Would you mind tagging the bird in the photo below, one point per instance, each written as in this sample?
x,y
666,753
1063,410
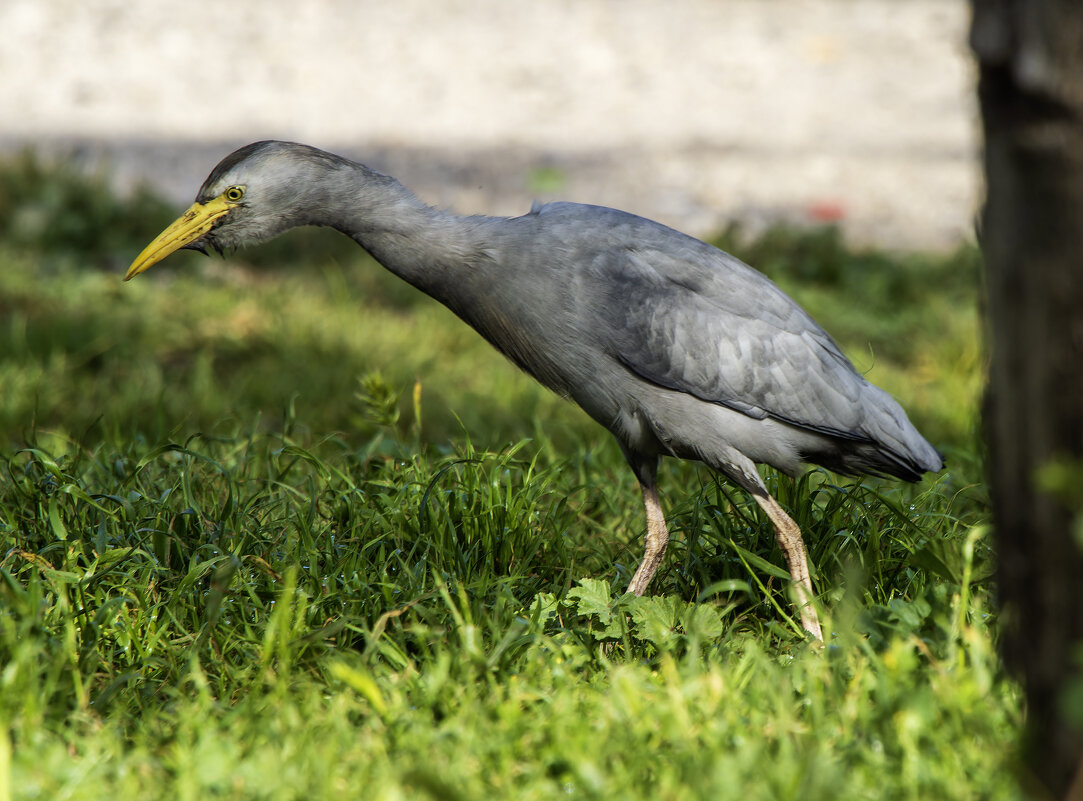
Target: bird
x,y
676,347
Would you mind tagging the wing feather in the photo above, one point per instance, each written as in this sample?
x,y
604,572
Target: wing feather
x,y
697,320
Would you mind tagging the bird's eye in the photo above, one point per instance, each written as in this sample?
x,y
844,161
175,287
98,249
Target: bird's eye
x,y
234,193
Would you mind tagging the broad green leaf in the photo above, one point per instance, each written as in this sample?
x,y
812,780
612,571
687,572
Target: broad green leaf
x,y
656,619
702,620
593,598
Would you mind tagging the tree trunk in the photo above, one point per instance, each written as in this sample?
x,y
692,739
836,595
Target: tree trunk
x,y
1030,55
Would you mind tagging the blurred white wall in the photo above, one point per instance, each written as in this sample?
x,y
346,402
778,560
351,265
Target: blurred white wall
x,y
694,112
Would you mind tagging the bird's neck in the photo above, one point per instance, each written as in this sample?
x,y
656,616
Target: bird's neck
x,y
428,247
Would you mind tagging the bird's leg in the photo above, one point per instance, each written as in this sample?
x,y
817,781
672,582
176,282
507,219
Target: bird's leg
x,y
788,535
657,538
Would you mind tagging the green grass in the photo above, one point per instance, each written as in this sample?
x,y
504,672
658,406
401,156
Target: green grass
x,y
280,527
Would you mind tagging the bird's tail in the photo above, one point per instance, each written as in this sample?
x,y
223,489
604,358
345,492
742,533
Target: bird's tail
x,y
888,444
895,447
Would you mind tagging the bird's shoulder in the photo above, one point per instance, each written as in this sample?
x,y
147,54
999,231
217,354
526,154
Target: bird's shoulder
x,y
614,249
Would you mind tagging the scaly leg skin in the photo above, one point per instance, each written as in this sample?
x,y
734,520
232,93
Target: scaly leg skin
x,y
787,533
655,545
789,539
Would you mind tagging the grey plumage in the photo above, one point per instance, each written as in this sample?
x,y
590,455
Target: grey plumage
x,y
673,345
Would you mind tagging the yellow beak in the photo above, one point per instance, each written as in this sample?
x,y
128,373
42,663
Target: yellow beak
x,y
195,222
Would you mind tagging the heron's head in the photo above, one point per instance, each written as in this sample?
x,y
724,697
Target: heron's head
x,y
254,194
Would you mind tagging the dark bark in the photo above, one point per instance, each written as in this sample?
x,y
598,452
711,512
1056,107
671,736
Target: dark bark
x,y
1030,55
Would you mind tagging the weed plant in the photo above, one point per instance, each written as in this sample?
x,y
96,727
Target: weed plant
x,y
277,531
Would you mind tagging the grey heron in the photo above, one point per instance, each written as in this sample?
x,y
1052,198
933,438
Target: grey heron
x,y
676,347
